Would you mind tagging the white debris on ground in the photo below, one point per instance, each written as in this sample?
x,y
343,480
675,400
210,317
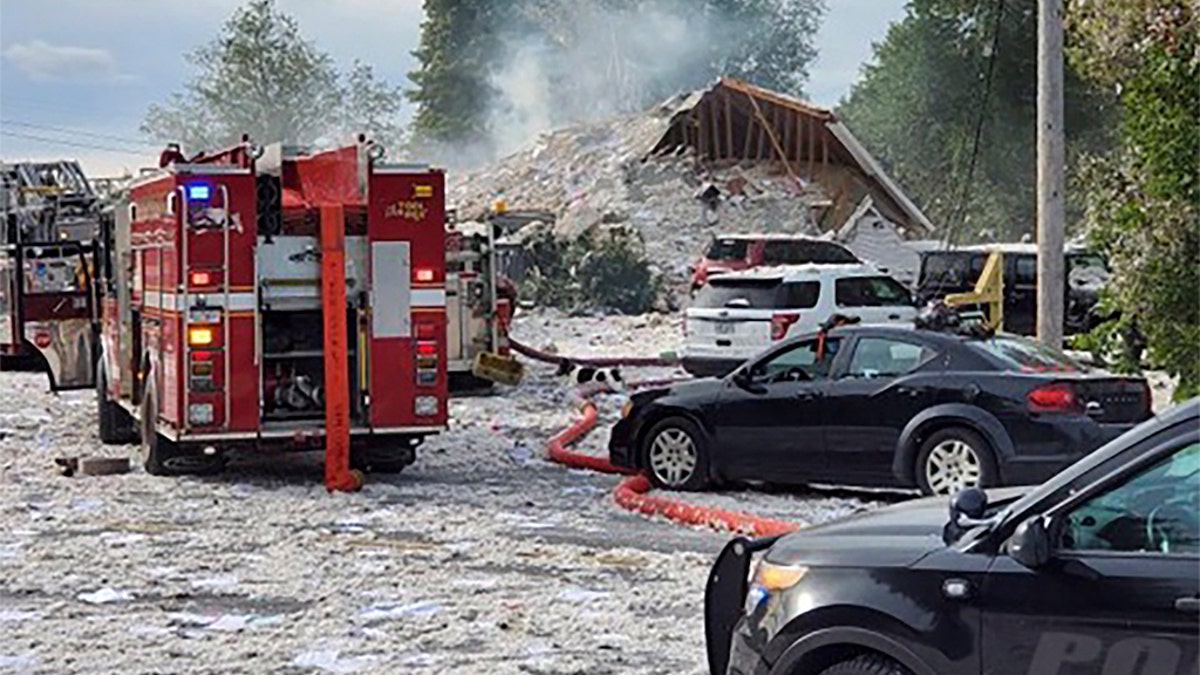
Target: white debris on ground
x,y
483,557
597,175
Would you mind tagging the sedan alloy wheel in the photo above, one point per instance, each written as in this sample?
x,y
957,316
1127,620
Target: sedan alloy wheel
x,y
951,466
673,456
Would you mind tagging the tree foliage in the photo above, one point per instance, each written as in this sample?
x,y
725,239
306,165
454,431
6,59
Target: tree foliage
x,y
602,270
460,40
261,77
952,69
1143,199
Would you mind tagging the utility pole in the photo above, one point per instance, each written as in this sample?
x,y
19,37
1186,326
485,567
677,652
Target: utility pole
x,y
1051,156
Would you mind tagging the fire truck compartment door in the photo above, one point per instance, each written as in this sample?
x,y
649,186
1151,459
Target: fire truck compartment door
x,y
391,296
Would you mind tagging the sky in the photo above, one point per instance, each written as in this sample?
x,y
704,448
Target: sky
x,y
84,71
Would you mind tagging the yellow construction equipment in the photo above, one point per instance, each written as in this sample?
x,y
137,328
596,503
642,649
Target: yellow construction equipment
x,y
989,290
498,368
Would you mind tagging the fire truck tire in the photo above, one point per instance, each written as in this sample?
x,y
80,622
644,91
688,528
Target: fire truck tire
x,y
383,457
116,424
161,456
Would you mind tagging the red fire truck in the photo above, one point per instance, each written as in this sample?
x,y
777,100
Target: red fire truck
x,y
276,298
49,217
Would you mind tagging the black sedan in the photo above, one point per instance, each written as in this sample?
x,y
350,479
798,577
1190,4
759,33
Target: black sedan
x,y
881,406
1095,571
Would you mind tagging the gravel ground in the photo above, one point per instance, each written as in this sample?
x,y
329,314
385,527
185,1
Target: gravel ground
x,y
482,557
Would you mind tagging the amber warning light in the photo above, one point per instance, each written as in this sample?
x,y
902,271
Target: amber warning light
x,y
200,336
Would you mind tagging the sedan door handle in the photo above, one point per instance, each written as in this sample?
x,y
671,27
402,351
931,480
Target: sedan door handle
x,y
893,317
907,391
1191,605
809,395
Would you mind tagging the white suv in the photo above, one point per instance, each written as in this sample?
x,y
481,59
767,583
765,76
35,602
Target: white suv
x,y
738,315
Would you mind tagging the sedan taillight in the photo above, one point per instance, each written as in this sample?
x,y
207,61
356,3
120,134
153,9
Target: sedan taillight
x,y
780,323
1054,397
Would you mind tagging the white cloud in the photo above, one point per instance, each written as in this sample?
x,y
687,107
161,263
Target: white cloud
x,y
43,61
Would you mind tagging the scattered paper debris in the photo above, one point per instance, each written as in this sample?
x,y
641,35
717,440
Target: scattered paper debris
x,y
330,660
385,611
104,596
582,595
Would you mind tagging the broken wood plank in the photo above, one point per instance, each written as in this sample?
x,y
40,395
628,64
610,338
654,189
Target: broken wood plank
x,y
728,126
774,141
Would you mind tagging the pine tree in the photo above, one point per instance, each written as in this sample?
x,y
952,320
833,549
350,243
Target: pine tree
x,y
459,42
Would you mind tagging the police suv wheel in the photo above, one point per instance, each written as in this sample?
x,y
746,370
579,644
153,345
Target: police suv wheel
x,y
867,664
952,459
675,455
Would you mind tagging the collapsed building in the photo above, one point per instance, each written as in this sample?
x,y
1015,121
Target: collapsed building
x,y
731,158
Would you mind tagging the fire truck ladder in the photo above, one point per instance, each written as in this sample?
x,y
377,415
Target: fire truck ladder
x,y
224,313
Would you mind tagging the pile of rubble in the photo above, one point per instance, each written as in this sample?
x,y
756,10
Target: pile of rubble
x,y
600,176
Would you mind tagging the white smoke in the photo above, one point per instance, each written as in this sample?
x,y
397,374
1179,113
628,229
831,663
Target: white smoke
x,y
585,62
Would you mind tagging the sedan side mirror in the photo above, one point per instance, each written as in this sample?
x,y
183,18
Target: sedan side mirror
x,y
744,380
1030,543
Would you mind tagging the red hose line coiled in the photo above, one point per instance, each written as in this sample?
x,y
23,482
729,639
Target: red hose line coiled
x,y
632,492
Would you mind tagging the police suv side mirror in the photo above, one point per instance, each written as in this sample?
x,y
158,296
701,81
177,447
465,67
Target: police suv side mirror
x,y
967,508
1030,543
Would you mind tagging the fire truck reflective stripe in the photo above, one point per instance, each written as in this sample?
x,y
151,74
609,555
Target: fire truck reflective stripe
x,y
428,297
174,302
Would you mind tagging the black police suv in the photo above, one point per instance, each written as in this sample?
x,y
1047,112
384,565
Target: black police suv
x,y
881,406
1096,571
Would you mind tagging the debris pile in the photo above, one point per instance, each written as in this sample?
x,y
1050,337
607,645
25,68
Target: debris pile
x,y
598,176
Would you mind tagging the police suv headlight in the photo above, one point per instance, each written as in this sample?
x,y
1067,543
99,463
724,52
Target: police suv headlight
x,y
200,414
769,579
425,406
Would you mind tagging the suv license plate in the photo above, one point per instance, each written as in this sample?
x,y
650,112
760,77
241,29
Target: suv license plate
x,y
725,329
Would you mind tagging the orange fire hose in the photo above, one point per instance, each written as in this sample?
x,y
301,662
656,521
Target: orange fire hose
x,y
632,493
338,475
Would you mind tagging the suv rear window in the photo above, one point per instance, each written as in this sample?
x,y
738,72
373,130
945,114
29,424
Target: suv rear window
x,y
803,251
1017,353
727,249
801,294
757,293
871,292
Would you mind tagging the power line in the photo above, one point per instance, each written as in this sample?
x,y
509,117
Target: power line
x,y
56,141
78,132
965,200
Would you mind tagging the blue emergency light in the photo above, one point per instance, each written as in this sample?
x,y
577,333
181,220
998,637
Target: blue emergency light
x,y
198,193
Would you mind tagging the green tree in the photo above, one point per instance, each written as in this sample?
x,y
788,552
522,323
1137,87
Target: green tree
x,y
261,77
460,40
949,105
775,41
1143,199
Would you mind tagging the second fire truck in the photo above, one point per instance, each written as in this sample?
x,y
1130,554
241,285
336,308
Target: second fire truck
x,y
276,298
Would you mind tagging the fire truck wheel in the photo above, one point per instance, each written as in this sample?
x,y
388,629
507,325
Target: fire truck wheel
x,y
116,424
163,457
383,457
